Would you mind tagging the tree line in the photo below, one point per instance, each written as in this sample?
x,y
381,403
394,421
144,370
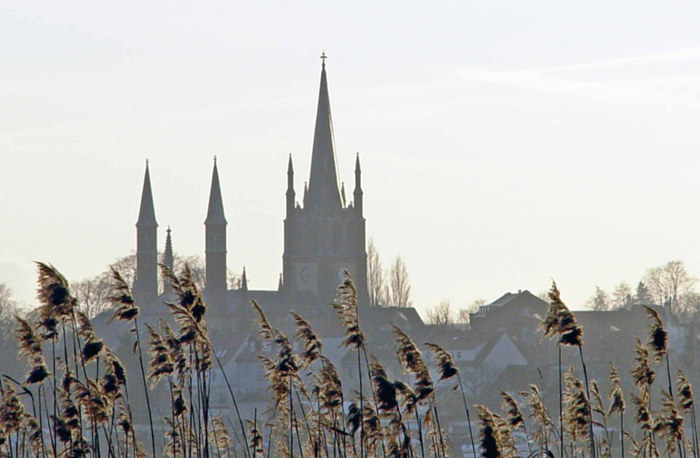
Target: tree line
x,y
669,285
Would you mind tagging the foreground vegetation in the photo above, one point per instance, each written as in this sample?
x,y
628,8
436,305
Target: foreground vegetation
x,y
74,400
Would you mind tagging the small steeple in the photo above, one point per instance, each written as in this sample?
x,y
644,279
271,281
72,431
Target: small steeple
x,y
290,186
244,280
306,192
357,194
215,214
147,213
290,170
168,258
324,195
280,284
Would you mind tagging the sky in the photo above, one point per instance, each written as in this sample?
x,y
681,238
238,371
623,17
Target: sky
x,y
503,143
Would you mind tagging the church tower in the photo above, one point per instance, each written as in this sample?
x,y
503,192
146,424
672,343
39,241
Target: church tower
x,y
215,247
146,281
326,236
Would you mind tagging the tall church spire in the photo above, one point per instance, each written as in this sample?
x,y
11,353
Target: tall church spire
x,y
146,281
324,195
215,247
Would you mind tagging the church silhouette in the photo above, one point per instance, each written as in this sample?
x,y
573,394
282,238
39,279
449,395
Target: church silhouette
x,y
324,235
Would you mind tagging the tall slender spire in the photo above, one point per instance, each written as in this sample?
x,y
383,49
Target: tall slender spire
x,y
291,195
215,247
357,193
146,281
215,214
147,213
324,195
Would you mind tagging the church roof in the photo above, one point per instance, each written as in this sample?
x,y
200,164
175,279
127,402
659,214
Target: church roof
x,y
323,193
215,214
147,214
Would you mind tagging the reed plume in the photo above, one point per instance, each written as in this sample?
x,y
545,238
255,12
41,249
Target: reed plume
x,y
329,385
221,438
658,336
642,414
161,364
560,321
617,403
444,363
447,369
256,440
488,434
53,293
642,373
577,411
384,389
686,403
29,348
122,298
411,360
670,425
345,305
307,336
539,414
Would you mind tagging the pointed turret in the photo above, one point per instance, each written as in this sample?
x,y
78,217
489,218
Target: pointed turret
x,y
291,195
324,195
280,284
244,280
357,193
168,259
146,281
215,247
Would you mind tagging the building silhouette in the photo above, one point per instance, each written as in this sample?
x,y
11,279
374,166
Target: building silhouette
x,y
324,235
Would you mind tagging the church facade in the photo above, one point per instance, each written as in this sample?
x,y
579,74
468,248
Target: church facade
x,y
324,235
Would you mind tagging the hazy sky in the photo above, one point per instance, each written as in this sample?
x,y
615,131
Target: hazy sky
x,y
503,143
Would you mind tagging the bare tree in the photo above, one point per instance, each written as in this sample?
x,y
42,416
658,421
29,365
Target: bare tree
x,y
126,266
600,301
622,296
440,315
463,315
7,304
670,285
93,294
642,296
375,277
400,287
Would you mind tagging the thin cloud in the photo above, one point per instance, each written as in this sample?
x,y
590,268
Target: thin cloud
x,y
662,77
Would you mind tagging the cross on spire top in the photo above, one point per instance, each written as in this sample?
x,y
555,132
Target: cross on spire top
x,y
323,58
